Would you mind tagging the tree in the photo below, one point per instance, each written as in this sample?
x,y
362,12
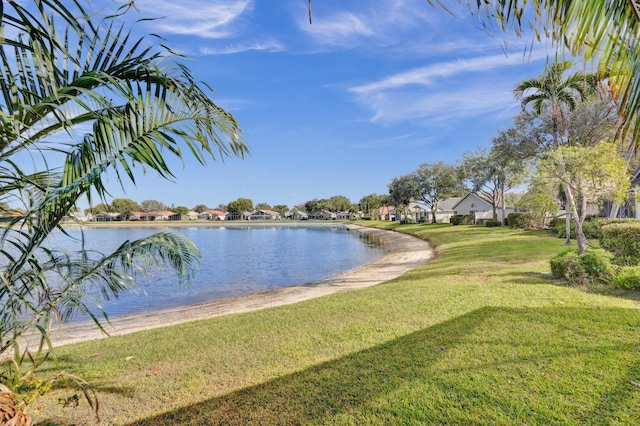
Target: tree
x,y
199,208
281,208
240,205
263,206
152,206
339,203
591,174
558,91
370,204
402,191
65,68
490,174
539,203
182,210
100,208
316,205
606,31
437,181
124,205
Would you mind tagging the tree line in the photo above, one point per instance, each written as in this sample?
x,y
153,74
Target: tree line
x,y
566,146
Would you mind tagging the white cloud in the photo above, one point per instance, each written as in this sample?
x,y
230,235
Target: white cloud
x,y
340,29
210,19
367,24
265,46
445,91
429,75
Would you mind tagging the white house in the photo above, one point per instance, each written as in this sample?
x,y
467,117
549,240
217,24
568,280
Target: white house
x,y
264,215
238,216
322,215
297,216
212,215
344,215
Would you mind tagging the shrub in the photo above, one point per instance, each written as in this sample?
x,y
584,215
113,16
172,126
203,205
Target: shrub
x,y
567,265
520,220
491,222
597,264
462,219
590,267
591,229
628,277
623,240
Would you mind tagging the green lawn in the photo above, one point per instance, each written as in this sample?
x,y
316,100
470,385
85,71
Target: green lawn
x,y
480,335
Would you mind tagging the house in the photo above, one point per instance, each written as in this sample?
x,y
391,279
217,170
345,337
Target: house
x,y
322,215
344,215
190,215
471,204
77,216
296,216
238,216
212,215
445,210
386,213
159,215
106,217
132,216
265,215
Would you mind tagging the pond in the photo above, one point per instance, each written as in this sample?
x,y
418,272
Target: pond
x,y
236,260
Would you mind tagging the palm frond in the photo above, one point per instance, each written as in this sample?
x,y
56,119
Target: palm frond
x,y
605,31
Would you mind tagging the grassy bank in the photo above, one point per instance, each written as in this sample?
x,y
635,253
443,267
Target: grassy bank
x,y
480,335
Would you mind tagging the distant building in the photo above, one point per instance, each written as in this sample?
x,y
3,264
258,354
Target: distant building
x,y
238,216
322,215
265,215
212,215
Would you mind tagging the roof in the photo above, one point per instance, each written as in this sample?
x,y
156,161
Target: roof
x,y
449,203
215,212
269,212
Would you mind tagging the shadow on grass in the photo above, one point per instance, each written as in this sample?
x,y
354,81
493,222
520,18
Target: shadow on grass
x,y
491,366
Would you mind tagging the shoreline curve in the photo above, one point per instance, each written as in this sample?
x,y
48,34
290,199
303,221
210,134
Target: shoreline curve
x,y
403,253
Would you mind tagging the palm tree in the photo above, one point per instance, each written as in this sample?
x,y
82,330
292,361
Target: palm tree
x,y
559,91
605,31
79,89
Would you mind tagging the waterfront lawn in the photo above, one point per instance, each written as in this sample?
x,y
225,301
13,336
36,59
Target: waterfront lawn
x,y
480,335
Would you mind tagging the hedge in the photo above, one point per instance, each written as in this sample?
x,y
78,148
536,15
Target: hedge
x,y
623,240
462,219
520,220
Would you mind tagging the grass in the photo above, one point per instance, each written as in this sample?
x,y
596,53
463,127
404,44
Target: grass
x,y
479,335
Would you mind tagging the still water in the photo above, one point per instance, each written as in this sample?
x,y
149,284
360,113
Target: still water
x,y
235,261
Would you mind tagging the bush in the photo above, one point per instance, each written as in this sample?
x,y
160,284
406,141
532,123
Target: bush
x,y
594,266
566,265
591,229
491,222
628,277
597,264
462,219
520,220
601,222
623,240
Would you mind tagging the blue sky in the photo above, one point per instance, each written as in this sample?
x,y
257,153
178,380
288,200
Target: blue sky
x,y
366,93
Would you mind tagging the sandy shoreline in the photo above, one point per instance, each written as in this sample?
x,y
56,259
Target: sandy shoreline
x,y
403,253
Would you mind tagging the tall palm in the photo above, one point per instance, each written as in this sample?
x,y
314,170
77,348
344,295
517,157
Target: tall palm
x,y
605,31
78,89
558,90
